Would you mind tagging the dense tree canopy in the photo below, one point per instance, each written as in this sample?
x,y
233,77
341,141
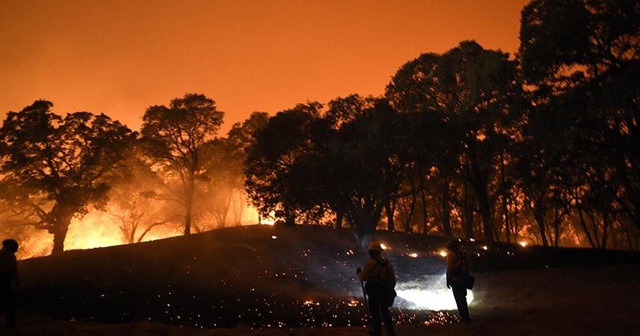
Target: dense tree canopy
x,y
277,174
474,91
54,168
582,59
367,163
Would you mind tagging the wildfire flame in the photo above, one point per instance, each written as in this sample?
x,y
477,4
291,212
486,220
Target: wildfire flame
x,y
102,229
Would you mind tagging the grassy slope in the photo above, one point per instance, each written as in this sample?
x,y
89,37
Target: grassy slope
x,y
245,275
216,276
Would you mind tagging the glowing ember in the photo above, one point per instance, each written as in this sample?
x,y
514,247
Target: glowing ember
x,y
440,318
385,247
443,253
353,303
523,243
485,247
417,303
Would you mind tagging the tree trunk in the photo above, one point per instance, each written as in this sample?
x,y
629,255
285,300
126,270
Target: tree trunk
x,y
189,205
538,214
390,208
468,214
507,218
407,224
365,220
515,223
339,219
479,184
423,198
363,229
60,233
606,224
485,213
585,229
187,218
446,212
289,216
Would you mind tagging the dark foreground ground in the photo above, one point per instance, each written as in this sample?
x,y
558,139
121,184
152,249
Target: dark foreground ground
x,y
282,281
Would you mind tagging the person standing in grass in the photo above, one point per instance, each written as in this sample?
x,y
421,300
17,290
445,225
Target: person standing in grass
x,y
9,279
458,264
381,281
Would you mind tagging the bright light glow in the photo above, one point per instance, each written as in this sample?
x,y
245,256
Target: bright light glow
x,y
523,243
353,303
274,237
38,243
267,221
385,247
413,255
443,253
430,293
250,216
95,229
485,247
472,239
350,252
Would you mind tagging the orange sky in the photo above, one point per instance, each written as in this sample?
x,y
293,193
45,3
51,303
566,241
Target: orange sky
x,y
119,57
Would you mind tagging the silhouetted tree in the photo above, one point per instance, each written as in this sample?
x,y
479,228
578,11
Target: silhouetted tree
x,y
174,136
435,144
582,57
545,164
474,91
341,111
239,138
278,173
366,162
435,168
243,135
55,167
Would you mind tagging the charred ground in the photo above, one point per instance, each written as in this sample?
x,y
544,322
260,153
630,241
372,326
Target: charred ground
x,y
260,276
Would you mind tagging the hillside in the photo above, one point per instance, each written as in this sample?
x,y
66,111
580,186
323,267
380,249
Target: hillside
x,y
273,278
245,275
